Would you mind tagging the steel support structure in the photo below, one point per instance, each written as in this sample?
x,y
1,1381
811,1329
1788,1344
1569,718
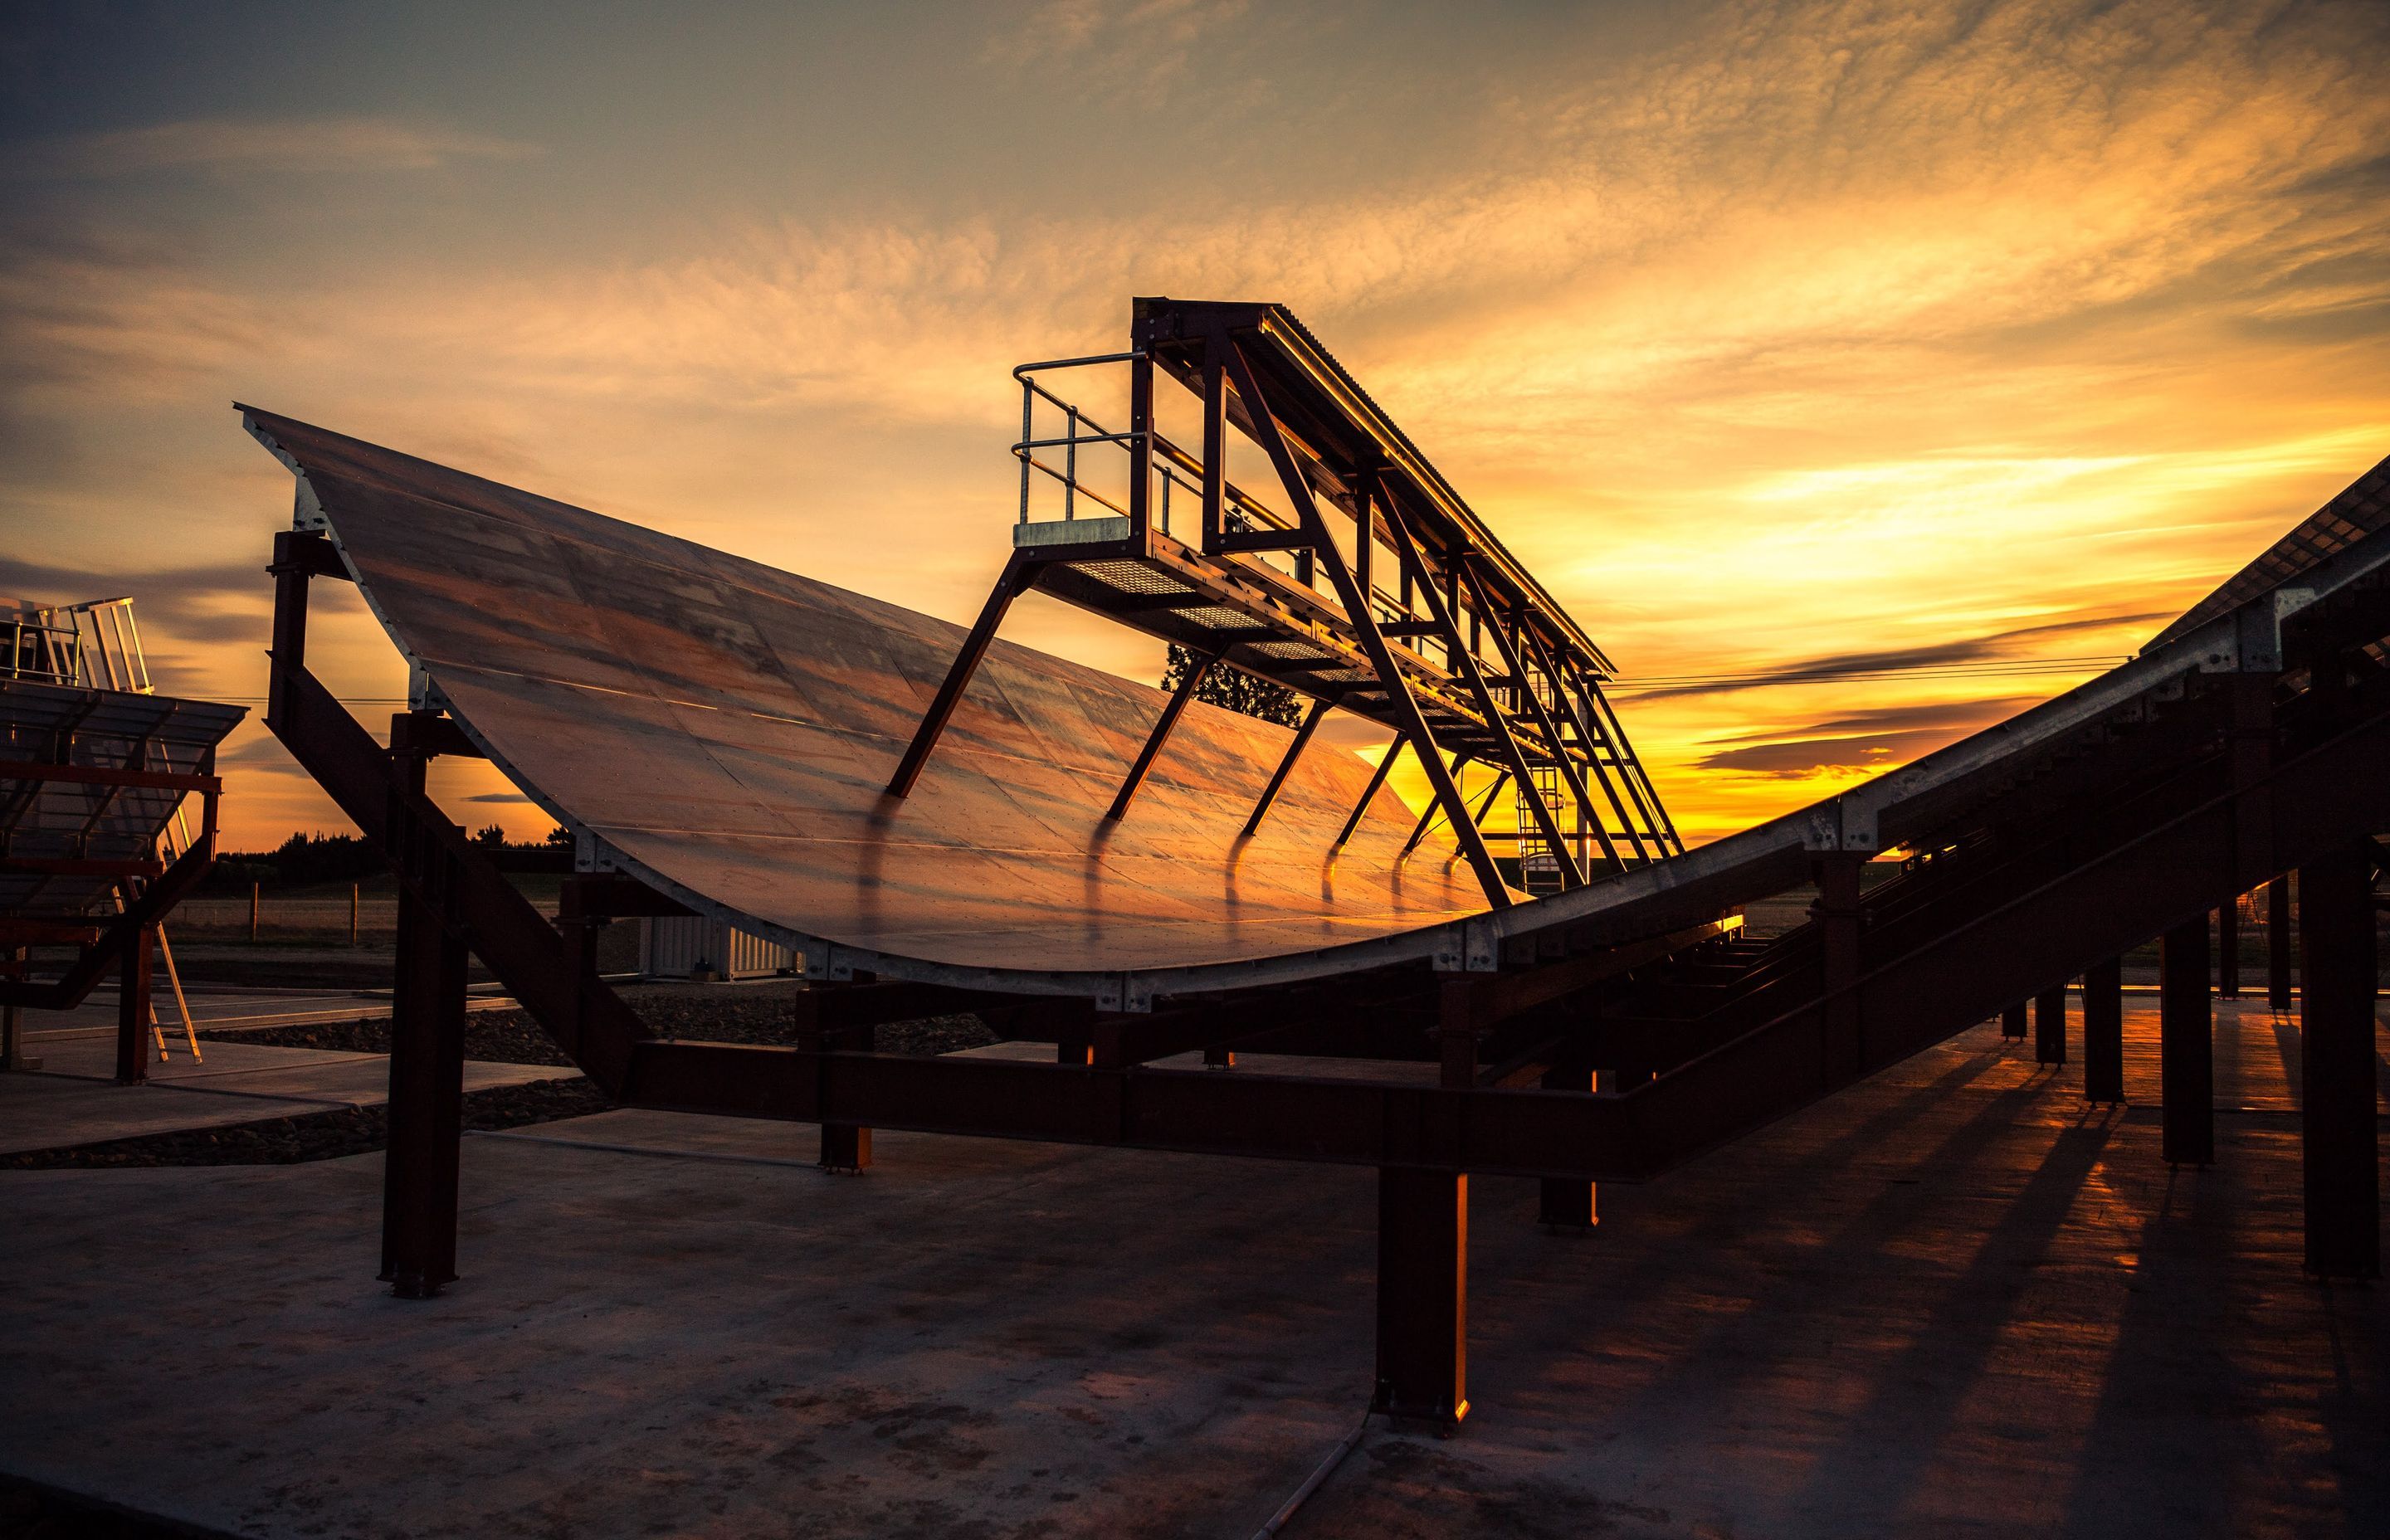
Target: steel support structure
x,y
2014,1018
121,941
2228,951
2278,945
2339,1129
1198,669
1422,1295
426,1089
1311,720
1410,657
2103,1032
1563,1204
2186,1046
2149,826
133,1004
1009,585
2050,1026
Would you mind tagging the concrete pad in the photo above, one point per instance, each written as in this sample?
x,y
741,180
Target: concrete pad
x,y
1952,1302
44,1112
74,1100
226,1005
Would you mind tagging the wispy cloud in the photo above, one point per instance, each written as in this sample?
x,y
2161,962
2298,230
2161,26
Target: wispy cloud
x,y
1818,344
1122,49
1998,648
225,146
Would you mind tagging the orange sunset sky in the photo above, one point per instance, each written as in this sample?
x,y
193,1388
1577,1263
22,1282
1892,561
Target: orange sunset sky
x,y
1945,349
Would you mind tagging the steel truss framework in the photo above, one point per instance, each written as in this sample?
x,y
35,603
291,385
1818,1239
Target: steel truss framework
x,y
2256,744
89,779
1466,659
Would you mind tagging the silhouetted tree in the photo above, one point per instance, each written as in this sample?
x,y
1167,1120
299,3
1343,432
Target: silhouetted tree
x,y
1235,690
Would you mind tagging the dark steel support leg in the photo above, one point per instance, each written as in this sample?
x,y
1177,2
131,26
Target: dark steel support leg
x,y
1198,669
2278,945
845,1146
1422,1295
1377,782
1838,916
427,1088
2103,1032
2013,1022
2228,951
1567,1205
133,1006
2050,1026
12,1018
958,677
1286,766
2339,1134
2186,1047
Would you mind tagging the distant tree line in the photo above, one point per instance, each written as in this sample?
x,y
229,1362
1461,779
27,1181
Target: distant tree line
x,y
304,859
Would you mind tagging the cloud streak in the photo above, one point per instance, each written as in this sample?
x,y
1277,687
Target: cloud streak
x,y
277,147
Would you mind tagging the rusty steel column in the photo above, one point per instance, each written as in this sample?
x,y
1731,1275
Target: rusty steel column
x,y
2050,1026
1422,1295
2228,951
2013,1021
1423,1256
844,1146
2338,1131
1564,1204
2278,944
427,1086
133,1006
2103,1032
1839,916
12,1018
2186,1046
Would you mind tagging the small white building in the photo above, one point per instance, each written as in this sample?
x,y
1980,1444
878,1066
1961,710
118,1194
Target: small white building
x,y
695,947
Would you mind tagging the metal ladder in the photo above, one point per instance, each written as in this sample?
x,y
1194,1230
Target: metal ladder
x,y
105,653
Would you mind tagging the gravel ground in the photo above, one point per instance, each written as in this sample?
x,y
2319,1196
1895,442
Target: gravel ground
x,y
314,1135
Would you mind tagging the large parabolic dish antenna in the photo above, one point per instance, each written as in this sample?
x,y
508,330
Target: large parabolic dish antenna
x,y
725,731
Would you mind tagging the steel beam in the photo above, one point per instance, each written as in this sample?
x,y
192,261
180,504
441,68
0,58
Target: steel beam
x,y
133,1005
1368,793
2339,1130
1415,562
1198,669
1840,917
427,1084
1422,1295
2103,1032
1522,689
2050,1026
2228,951
1410,725
1319,709
1564,690
1435,812
1563,1204
1010,584
2278,945
2186,1046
